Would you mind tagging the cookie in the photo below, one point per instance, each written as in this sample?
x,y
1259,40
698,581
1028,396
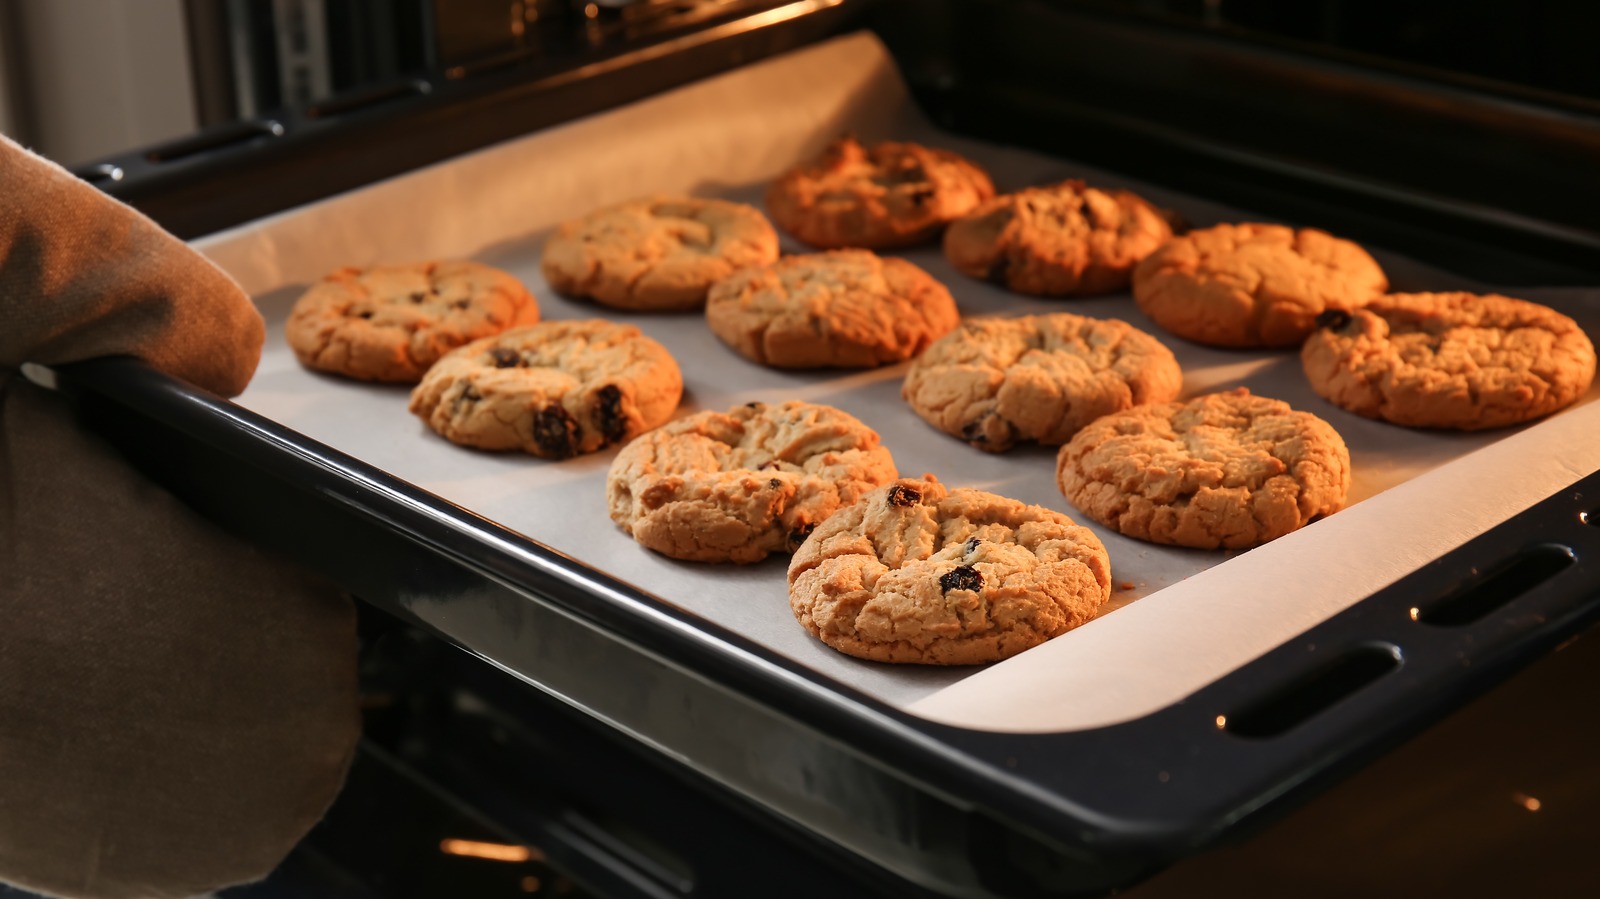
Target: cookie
x,y
996,381
555,390
1253,285
918,573
1449,360
392,322
844,309
660,254
1225,470
1066,239
735,486
888,195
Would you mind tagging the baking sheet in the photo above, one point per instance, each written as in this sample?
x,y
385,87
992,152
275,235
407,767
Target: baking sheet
x,y
1198,615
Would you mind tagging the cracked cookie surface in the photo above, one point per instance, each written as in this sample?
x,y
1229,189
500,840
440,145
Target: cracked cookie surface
x,y
555,390
891,194
660,254
1253,285
390,323
845,309
735,486
1065,239
1450,360
993,382
1224,470
918,573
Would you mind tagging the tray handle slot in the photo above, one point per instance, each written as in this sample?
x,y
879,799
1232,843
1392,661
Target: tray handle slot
x,y
365,99
1320,689
1520,574
215,139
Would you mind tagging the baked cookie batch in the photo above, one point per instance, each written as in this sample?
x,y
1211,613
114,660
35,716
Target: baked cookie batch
x,y
901,569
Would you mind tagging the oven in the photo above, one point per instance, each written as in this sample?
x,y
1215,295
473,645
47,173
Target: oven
x,y
541,721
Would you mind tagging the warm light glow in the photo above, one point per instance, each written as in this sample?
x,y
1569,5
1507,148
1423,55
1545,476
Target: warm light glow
x,y
1526,801
530,884
1415,613
1222,721
495,852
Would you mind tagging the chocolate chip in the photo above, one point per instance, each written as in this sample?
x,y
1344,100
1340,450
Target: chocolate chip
x,y
608,412
418,297
769,465
1089,214
900,495
963,577
999,269
468,394
364,314
921,195
504,357
799,535
972,431
774,483
755,405
1333,319
972,545
555,432
461,304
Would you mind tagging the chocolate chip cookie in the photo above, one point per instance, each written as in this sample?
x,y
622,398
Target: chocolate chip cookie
x,y
1449,360
1065,239
918,573
845,309
660,254
392,322
555,390
1253,285
735,486
996,381
1225,470
888,195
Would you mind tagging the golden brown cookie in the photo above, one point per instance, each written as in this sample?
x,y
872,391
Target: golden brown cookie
x,y
1222,470
1449,360
735,486
846,309
995,381
918,573
888,195
392,322
659,254
555,390
1065,239
1253,285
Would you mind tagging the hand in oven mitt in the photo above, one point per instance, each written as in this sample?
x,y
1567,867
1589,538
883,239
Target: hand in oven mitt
x,y
176,708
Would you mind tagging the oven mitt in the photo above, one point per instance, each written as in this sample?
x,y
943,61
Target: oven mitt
x,y
176,708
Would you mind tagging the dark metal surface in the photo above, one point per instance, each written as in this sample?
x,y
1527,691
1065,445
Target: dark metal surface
x,y
286,157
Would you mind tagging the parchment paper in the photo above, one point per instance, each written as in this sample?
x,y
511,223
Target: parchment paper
x,y
1198,615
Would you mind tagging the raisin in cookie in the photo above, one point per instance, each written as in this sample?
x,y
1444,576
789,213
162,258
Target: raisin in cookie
x,y
995,381
390,323
1222,470
735,486
888,195
918,573
660,254
554,390
846,309
1065,239
1253,285
1449,360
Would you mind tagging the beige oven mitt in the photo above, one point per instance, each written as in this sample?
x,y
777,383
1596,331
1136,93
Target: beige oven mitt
x,y
176,708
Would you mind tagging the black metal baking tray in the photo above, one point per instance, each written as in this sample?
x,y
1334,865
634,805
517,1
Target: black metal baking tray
x,y
962,812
